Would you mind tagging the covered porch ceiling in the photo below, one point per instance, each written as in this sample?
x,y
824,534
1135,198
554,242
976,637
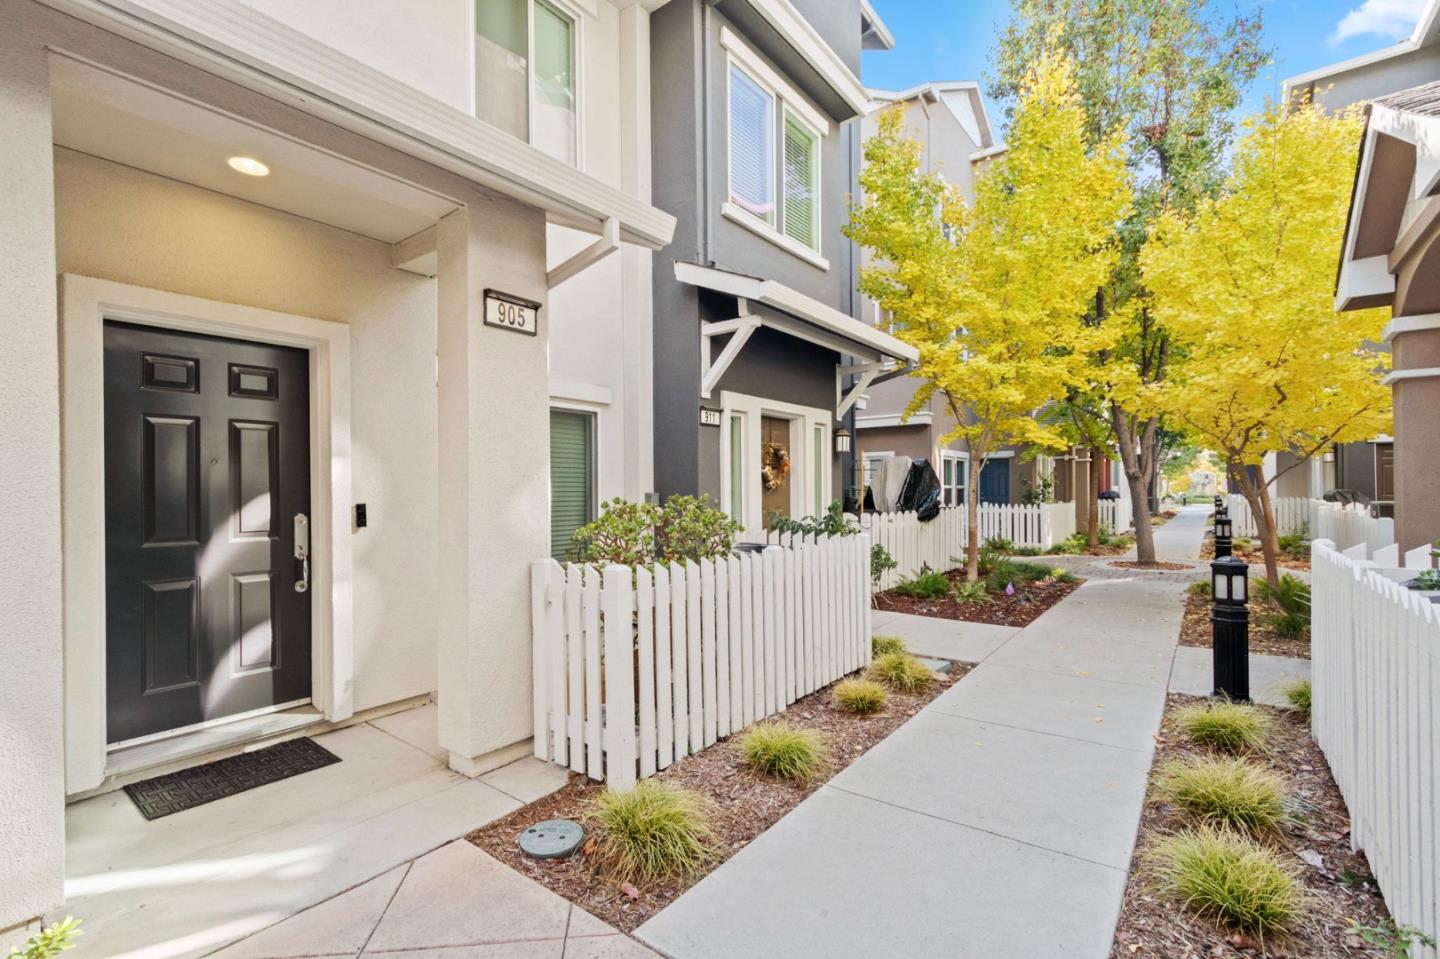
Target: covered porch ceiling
x,y
118,118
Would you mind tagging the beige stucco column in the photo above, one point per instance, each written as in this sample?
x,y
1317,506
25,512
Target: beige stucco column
x,y
32,787
1416,384
494,470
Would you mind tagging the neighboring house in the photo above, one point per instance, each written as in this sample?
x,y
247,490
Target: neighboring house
x,y
1366,468
949,120
279,456
1391,257
756,336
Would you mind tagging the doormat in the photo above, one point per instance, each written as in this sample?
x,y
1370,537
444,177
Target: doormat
x,y
188,788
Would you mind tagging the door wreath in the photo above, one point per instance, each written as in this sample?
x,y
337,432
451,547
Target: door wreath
x,y
774,465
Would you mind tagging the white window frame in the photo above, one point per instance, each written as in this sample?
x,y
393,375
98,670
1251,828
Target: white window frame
x,y
962,462
596,412
804,420
576,15
788,103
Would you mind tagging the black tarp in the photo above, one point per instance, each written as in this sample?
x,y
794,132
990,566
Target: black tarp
x,y
921,492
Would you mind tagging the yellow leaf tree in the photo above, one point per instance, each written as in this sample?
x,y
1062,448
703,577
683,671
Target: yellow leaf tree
x,y
1245,284
993,293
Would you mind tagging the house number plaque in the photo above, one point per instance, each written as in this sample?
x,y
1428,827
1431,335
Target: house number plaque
x,y
512,313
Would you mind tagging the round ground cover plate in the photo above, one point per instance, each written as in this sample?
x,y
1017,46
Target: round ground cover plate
x,y
551,839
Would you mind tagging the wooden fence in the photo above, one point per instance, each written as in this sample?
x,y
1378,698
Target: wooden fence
x,y
1345,526
1376,682
636,667
1116,515
914,544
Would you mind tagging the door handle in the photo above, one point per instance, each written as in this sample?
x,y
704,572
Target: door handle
x,y
302,552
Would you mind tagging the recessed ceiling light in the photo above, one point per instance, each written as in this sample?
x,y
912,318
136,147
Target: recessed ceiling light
x,y
249,166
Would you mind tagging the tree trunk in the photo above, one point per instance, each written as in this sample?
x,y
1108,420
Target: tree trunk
x,y
972,517
1092,518
1136,479
1262,508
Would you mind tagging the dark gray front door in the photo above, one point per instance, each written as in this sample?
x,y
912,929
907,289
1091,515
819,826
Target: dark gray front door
x,y
207,462
995,481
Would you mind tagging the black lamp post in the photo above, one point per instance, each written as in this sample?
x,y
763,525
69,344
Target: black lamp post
x,y
1219,502
1224,535
1230,627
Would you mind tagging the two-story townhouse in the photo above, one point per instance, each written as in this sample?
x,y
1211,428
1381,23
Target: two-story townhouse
x,y
759,352
291,292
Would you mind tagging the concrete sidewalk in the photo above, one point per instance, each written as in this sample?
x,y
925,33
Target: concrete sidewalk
x,y
997,823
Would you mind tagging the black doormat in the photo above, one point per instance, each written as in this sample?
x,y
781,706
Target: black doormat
x,y
188,788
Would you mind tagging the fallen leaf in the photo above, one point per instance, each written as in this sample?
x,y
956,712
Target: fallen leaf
x,y
1312,857
630,890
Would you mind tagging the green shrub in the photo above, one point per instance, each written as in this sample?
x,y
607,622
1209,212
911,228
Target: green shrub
x,y
778,749
632,534
1295,544
1031,572
880,645
998,544
1297,693
860,696
881,562
1070,546
1060,575
1029,551
927,585
1291,598
1231,878
1227,791
50,941
1201,587
651,831
976,592
900,671
1233,727
833,522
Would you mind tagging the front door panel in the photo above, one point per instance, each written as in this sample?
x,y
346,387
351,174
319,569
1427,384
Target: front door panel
x,y
207,460
995,481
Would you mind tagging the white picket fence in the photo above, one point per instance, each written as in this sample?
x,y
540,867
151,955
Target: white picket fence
x,y
1345,526
1116,515
636,667
1376,682
914,544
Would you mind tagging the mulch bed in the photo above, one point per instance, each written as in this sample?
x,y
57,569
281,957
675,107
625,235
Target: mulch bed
x,y
1030,600
1255,557
1151,924
1157,565
1195,630
744,804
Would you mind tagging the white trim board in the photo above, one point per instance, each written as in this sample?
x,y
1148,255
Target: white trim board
x,y
86,303
798,32
1419,373
882,420
803,420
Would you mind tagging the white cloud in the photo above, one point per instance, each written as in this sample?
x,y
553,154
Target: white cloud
x,y
1393,19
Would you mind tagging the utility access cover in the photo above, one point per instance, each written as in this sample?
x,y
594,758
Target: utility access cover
x,y
551,839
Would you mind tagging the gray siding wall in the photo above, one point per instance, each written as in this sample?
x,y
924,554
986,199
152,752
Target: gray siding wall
x,y
691,181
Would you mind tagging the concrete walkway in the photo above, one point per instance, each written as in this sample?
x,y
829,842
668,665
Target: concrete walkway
x,y
997,823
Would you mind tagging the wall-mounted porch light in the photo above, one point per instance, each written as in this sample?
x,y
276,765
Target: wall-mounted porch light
x,y
842,440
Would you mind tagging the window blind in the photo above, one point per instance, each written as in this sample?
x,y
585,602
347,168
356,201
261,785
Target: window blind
x,y
751,153
572,477
802,154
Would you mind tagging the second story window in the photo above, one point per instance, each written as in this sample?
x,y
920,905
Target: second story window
x,y
752,153
774,155
525,67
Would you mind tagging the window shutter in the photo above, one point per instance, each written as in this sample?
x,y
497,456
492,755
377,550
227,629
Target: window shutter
x,y
572,481
751,156
801,190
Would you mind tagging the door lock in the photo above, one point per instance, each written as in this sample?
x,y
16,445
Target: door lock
x,y
302,552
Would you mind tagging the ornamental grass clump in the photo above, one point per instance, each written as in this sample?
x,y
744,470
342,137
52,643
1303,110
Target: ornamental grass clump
x,y
651,831
1229,877
881,645
1227,791
1232,727
928,584
780,750
900,671
860,696
1297,693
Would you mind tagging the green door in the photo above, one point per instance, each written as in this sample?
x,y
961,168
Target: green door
x,y
572,476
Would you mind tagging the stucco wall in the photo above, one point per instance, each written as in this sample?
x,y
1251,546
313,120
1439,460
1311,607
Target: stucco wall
x,y
32,788
121,224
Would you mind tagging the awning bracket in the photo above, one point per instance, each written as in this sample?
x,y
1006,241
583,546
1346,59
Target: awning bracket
x,y
608,243
739,330
867,372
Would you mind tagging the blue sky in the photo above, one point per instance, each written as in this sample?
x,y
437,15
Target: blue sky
x,y
953,39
